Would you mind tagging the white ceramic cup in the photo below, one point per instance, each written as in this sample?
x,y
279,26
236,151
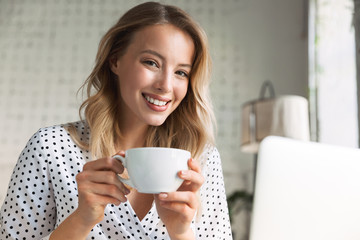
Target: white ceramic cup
x,y
154,169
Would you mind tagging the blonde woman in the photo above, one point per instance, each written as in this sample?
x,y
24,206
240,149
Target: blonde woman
x,y
149,87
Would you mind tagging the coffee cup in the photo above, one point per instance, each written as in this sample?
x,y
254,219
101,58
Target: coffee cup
x,y
154,169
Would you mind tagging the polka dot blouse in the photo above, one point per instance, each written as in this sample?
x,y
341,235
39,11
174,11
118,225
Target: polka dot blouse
x,y
43,192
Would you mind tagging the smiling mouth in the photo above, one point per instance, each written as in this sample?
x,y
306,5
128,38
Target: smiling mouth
x,y
156,102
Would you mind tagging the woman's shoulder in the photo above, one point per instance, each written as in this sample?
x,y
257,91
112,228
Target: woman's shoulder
x,y
210,150
62,127
60,132
52,142
210,154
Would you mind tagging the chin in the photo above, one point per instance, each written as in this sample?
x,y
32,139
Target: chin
x,y
156,122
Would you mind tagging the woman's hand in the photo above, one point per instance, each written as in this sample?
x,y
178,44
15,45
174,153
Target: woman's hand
x,y
98,185
177,209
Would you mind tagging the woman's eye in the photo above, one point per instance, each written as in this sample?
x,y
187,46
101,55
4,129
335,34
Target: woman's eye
x,y
150,63
182,74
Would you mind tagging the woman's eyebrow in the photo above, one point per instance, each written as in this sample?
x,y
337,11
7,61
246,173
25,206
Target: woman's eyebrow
x,y
185,65
163,58
153,53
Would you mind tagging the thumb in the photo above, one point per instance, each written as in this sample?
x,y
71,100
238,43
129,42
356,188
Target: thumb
x,y
121,153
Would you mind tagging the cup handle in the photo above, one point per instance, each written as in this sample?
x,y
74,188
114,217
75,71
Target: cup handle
x,y
123,161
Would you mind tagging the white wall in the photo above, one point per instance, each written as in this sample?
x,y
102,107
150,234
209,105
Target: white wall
x,y
47,48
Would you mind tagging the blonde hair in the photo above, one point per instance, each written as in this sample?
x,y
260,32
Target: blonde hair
x,y
189,127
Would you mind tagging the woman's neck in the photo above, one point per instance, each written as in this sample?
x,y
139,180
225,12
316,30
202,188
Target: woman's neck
x,y
133,136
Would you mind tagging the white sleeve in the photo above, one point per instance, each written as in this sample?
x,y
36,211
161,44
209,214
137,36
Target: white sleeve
x,y
29,210
214,222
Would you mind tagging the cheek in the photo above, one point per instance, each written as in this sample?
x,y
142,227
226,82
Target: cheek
x,y
133,80
182,90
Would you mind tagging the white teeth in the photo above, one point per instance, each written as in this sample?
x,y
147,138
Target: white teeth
x,y
155,101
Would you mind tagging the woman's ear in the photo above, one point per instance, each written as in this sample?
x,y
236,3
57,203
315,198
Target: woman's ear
x,y
113,61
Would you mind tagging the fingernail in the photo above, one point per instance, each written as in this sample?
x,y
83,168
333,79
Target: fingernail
x,y
163,195
183,173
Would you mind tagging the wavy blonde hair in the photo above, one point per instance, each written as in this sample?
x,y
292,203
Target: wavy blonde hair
x,y
189,127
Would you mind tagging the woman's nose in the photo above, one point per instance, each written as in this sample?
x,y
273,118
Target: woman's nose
x,y
164,82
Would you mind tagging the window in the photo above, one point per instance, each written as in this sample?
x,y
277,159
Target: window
x,y
332,70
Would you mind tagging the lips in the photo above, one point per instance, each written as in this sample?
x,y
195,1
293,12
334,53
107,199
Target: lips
x,y
156,100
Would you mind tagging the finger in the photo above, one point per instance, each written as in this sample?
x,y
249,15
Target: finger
x,y
180,208
96,200
107,163
192,178
100,194
194,165
109,191
188,198
105,200
121,153
102,177
103,190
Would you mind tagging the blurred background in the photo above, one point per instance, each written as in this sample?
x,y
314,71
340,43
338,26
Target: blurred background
x,y
305,48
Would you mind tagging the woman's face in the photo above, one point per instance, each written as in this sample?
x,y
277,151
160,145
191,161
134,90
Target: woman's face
x,y
153,74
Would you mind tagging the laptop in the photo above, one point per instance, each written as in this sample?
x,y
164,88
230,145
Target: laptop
x,y
306,191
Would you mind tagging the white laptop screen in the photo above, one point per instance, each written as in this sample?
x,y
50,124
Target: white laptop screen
x,y
306,191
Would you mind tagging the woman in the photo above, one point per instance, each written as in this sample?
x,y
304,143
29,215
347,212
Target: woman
x,y
149,87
